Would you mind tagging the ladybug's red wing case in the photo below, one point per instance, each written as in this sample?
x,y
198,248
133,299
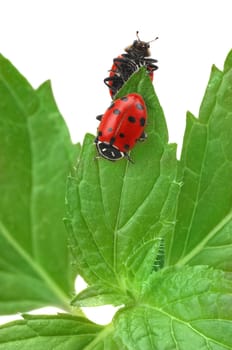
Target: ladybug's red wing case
x,y
132,122
121,126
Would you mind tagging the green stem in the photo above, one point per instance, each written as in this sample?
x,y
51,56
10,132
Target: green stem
x,y
103,334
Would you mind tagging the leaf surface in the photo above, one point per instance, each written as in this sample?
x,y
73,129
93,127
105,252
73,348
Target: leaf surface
x,y
36,155
118,211
202,232
187,308
49,332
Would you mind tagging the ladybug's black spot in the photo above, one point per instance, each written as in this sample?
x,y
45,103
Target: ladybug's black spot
x,y
142,121
110,130
139,106
121,135
111,106
99,133
116,111
124,98
131,119
112,140
126,146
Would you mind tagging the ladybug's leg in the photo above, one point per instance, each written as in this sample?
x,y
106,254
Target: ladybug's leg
x,y
115,77
125,68
143,137
99,117
125,60
126,155
118,64
108,79
114,80
152,67
120,61
110,85
150,60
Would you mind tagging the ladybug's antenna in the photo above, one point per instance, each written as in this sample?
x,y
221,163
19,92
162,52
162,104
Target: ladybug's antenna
x,y
137,34
153,40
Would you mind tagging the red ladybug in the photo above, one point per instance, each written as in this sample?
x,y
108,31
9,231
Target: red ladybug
x,y
121,127
128,63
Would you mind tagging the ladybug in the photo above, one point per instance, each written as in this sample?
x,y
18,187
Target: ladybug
x,y
127,63
121,126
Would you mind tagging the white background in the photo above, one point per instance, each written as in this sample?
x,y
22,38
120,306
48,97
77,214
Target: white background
x,y
73,42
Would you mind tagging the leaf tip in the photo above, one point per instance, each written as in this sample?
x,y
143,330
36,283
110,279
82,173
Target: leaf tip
x,y
228,61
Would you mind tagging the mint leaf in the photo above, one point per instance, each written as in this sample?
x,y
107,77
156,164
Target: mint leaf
x,y
36,155
100,294
172,310
49,332
187,308
141,84
117,212
202,232
126,223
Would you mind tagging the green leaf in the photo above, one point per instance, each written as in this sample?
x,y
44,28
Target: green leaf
x,y
36,155
172,310
64,332
98,295
187,308
117,212
203,227
228,62
141,84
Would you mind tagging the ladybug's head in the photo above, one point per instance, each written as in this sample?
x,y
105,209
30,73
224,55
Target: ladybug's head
x,y
109,151
139,48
